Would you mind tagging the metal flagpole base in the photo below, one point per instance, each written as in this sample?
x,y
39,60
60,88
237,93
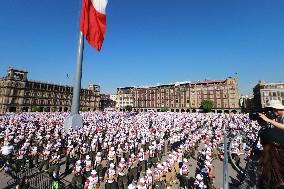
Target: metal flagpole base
x,y
74,121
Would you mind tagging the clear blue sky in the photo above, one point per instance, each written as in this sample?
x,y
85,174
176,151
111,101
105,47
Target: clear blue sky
x,y
147,42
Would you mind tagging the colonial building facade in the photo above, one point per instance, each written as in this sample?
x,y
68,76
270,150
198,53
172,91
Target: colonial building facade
x,y
113,97
124,98
247,103
187,96
18,94
106,103
265,91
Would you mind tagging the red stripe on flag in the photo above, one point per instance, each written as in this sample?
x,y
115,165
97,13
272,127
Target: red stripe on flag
x,y
92,24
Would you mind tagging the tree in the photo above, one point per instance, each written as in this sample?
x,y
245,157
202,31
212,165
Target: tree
x,y
85,109
207,105
35,109
128,108
45,109
53,109
165,109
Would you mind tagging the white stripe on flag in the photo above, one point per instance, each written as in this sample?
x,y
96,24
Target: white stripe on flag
x,y
100,5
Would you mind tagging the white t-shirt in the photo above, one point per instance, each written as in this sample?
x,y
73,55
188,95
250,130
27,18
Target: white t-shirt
x,y
6,150
131,186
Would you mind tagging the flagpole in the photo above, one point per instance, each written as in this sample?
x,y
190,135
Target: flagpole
x,y
75,120
225,163
77,86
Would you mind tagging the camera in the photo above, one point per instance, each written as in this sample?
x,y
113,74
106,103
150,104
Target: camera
x,y
255,116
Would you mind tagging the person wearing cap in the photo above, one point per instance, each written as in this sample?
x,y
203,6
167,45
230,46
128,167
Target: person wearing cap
x,y
111,156
133,168
149,179
92,181
184,174
83,151
142,161
110,178
6,152
45,155
142,184
94,148
122,174
54,166
198,180
88,166
159,151
77,180
67,155
152,156
119,153
126,152
34,156
278,111
73,155
21,159
98,166
271,166
159,182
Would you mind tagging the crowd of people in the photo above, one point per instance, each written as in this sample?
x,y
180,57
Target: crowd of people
x,y
122,150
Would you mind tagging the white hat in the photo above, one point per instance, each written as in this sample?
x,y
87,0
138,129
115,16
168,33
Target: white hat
x,y
78,162
208,157
142,180
111,165
199,177
276,104
208,163
87,157
159,166
202,185
122,160
93,172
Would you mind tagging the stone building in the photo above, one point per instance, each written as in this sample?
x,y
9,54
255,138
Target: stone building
x,y
265,91
223,93
187,96
124,98
106,103
18,94
247,103
113,97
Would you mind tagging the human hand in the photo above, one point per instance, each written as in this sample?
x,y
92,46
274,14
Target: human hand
x,y
263,116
